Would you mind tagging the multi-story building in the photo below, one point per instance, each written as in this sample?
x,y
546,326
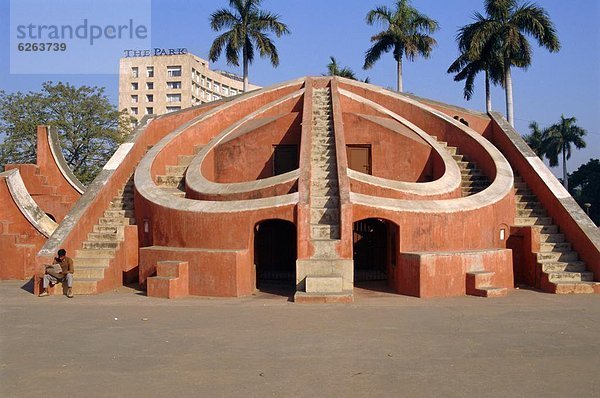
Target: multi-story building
x,y
167,83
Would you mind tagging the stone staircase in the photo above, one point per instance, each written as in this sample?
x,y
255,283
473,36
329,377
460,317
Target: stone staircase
x,y
479,283
558,265
473,179
93,259
325,268
173,181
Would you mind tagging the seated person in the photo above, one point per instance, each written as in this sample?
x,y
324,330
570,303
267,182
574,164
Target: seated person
x,y
61,269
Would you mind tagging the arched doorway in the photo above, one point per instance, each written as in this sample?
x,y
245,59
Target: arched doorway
x,y
374,250
275,254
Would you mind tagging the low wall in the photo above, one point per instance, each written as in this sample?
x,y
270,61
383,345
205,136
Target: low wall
x,y
443,274
219,273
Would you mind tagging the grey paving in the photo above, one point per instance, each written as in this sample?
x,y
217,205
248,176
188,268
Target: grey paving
x,y
528,344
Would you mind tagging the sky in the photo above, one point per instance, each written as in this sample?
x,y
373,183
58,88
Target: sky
x,y
565,83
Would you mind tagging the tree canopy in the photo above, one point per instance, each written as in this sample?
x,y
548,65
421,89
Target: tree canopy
x,y
406,34
585,187
248,29
90,128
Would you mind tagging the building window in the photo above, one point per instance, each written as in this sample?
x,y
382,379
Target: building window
x,y
135,72
134,99
173,97
208,84
224,89
173,85
232,92
149,111
203,81
217,87
134,86
150,71
134,111
173,71
150,86
149,98
173,109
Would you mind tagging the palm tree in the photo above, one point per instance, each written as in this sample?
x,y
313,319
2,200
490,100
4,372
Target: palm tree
x,y
503,34
467,67
406,34
333,69
559,138
247,25
535,139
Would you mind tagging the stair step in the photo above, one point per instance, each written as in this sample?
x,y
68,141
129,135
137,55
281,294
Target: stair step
x,y
325,216
95,253
552,238
528,205
324,201
119,221
169,181
174,191
555,247
566,276
523,213
557,256
104,237
562,266
119,213
89,273
319,231
176,170
91,262
577,287
100,245
533,221
108,228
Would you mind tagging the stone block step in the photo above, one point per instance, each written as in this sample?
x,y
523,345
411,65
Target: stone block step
x,y
116,221
324,284
552,238
451,149
526,198
318,231
566,276
121,206
85,286
95,253
549,229
329,216
533,221
89,272
108,229
529,205
555,247
104,237
577,287
457,157
325,191
119,214
324,183
568,266
100,245
557,256
91,262
168,181
491,291
531,212
176,170
324,201
323,298
465,165
474,184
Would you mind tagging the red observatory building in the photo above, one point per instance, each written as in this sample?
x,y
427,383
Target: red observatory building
x,y
323,183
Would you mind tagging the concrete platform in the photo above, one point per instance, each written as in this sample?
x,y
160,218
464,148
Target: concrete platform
x,y
123,343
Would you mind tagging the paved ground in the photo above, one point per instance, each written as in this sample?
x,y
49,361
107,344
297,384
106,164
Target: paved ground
x,y
118,344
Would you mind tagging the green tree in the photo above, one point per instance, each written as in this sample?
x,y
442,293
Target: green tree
x,y
585,187
467,66
89,126
248,26
333,69
535,139
406,34
502,33
559,139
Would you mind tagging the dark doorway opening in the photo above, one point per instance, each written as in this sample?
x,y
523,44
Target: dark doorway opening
x,y
375,250
275,254
285,158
